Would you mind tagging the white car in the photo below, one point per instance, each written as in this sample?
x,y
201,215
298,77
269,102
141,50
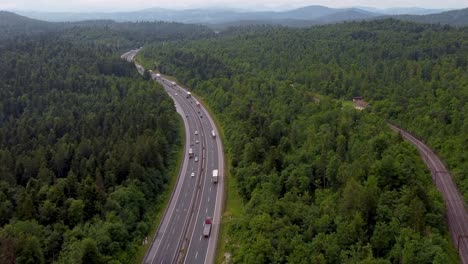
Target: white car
x,y
196,141
193,174
196,159
175,93
196,132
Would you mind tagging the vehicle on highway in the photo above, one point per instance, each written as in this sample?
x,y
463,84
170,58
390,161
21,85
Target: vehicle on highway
x,y
189,94
214,179
213,134
207,227
196,141
175,93
173,83
158,75
192,174
198,104
196,132
190,153
196,159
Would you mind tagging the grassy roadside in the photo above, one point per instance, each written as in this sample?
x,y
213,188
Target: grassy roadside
x,y
233,209
157,211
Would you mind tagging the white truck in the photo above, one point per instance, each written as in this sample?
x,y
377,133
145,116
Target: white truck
x,y
207,227
190,153
214,179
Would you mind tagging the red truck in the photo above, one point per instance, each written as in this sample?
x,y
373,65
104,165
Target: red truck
x,y
207,227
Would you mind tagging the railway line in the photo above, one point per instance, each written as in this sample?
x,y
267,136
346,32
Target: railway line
x,y
456,215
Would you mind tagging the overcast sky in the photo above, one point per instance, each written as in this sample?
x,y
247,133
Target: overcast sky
x,y
130,5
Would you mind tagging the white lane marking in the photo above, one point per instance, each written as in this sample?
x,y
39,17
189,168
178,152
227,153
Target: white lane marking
x,y
208,199
206,211
173,230
196,255
210,189
200,238
167,246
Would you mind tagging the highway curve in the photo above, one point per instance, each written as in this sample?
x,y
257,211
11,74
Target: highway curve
x,y
179,236
457,216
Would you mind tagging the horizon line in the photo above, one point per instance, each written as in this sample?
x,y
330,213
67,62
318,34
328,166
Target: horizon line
x,y
227,8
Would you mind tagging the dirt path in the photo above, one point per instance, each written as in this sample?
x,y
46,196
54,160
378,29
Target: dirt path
x,y
457,216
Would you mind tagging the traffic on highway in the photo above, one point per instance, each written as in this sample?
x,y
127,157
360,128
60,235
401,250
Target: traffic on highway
x,y
182,235
196,202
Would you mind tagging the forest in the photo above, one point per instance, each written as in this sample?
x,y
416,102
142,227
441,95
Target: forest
x,y
414,75
86,144
100,33
321,182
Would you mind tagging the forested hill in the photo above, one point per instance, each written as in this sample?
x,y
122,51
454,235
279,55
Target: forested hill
x,y
12,25
455,18
118,36
86,144
320,181
9,18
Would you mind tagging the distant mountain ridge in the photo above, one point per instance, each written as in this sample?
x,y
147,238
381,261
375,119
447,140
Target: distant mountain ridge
x,y
347,15
403,10
12,24
214,16
12,19
454,17
300,17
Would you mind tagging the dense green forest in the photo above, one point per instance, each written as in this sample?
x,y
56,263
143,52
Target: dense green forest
x,y
414,75
322,182
86,144
107,33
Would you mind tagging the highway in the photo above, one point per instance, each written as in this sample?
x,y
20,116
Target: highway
x,y
457,216
179,237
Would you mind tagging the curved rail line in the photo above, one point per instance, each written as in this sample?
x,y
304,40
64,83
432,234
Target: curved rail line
x,y
457,216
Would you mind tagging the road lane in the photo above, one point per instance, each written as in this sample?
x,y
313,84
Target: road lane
x,y
178,216
184,204
206,207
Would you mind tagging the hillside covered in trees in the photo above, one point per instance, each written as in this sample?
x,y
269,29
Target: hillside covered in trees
x,y
101,33
453,17
320,181
86,144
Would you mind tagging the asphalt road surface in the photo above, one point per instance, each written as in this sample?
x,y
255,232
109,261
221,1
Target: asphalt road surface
x,y
179,238
457,216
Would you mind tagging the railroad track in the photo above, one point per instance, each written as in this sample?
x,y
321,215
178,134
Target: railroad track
x,y
457,216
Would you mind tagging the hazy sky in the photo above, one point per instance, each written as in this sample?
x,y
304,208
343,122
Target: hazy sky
x,y
130,5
